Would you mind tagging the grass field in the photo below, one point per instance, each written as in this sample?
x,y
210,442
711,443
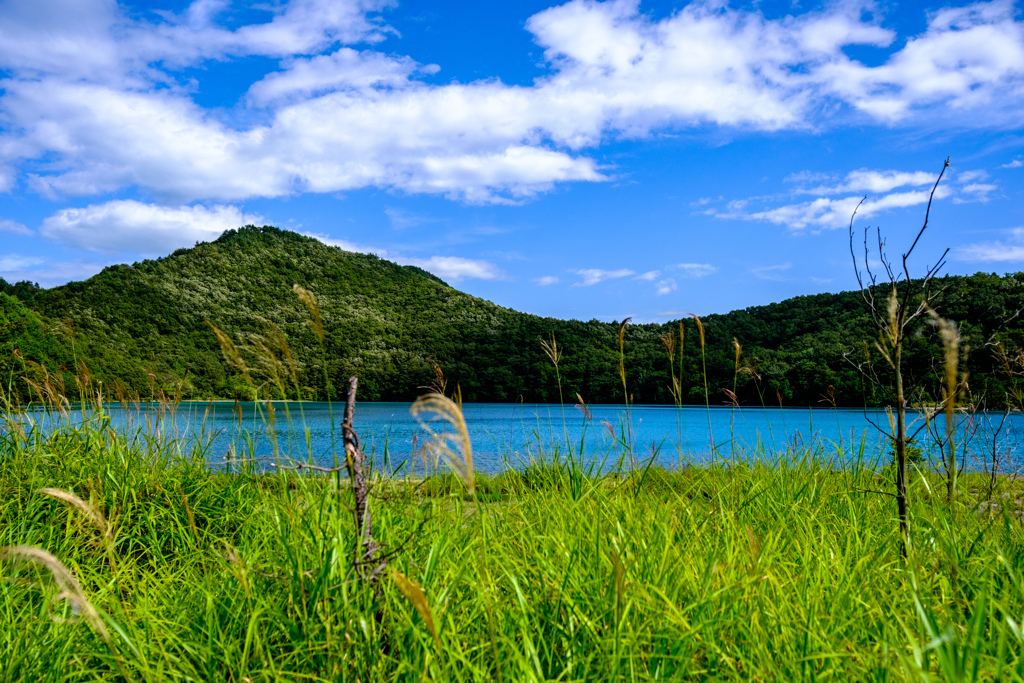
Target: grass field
x,y
157,568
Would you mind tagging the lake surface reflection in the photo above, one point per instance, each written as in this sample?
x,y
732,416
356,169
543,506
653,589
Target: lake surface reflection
x,y
511,435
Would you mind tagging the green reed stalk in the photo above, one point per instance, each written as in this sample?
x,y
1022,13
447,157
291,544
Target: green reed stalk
x,y
704,366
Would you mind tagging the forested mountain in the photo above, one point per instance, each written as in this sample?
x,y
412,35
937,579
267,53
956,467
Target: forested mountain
x,y
144,327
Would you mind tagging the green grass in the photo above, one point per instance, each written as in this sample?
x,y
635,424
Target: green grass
x,y
785,570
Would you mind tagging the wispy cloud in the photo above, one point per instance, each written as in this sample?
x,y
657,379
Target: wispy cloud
x,y
696,270
47,273
975,192
831,213
772,272
592,276
867,181
402,219
347,245
546,280
15,227
1009,251
648,276
455,268
1016,163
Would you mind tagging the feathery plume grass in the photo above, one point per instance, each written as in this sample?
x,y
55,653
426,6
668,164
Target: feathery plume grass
x,y
704,365
415,595
94,516
68,589
308,299
949,333
231,353
454,447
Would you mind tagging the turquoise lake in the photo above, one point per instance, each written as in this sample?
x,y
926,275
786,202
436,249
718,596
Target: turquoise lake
x,y
512,435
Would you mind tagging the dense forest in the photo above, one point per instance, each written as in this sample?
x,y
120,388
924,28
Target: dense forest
x,y
143,330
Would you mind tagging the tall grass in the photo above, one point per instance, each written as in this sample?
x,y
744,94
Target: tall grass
x,y
781,569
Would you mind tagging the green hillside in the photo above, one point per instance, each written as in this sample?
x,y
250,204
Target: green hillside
x,y
144,326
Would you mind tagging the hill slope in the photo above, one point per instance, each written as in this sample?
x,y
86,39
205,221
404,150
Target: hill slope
x,y
145,326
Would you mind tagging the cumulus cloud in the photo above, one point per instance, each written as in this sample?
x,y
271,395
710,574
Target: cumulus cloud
x,y
1009,251
546,280
1016,163
7,225
346,69
665,286
148,229
97,94
592,276
648,276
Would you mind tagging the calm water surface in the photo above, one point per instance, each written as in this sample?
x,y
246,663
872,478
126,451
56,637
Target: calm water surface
x,y
510,435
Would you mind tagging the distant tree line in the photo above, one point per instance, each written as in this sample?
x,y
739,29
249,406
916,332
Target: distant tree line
x,y
142,329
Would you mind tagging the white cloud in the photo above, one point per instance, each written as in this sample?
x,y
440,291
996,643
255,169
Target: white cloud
x,y
772,272
455,268
592,276
694,269
871,182
648,276
969,176
7,225
546,280
14,268
995,252
1016,163
967,58
345,69
346,245
827,213
665,286
15,263
98,94
401,219
976,192
149,229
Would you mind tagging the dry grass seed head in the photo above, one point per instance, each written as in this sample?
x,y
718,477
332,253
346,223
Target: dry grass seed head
x,y
454,447
552,350
669,342
70,588
414,594
700,329
582,407
230,351
308,299
94,516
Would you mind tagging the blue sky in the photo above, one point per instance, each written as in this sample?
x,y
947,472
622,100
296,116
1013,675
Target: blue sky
x,y
583,159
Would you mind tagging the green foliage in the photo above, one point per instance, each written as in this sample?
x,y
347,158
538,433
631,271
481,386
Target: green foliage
x,y
144,325
771,571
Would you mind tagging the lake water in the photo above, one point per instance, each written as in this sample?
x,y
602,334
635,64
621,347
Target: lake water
x,y
511,435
